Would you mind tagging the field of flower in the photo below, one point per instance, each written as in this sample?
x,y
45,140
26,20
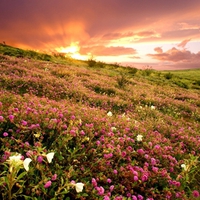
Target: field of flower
x,y
76,130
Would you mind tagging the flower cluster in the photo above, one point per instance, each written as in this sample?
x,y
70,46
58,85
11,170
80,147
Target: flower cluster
x,y
79,125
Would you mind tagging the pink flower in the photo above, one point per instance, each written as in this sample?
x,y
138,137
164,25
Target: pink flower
x,y
94,182
1,118
195,193
5,134
140,151
144,177
157,146
40,159
47,184
140,197
111,188
11,117
100,190
153,161
54,177
82,132
106,198
155,169
115,171
24,123
123,154
109,180
73,133
134,197
73,117
109,155
135,178
27,143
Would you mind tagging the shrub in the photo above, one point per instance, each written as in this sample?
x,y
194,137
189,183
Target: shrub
x,y
182,84
122,80
147,71
168,75
91,63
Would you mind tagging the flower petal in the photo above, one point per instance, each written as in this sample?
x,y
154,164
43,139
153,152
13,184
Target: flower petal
x,y
50,156
26,163
79,187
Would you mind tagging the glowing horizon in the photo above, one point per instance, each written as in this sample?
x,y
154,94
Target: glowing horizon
x,y
161,34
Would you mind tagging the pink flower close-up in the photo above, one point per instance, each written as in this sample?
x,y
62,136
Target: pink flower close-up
x,y
47,184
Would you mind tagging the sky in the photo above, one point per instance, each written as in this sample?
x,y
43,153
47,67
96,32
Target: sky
x,y
162,34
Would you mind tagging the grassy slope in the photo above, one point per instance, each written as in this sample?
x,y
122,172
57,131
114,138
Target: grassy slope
x,y
90,91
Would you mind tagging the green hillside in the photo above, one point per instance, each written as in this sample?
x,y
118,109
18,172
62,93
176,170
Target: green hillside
x,y
72,129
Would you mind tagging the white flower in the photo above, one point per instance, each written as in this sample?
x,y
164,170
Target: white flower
x,y
26,163
153,107
139,138
109,114
15,160
79,187
123,115
113,129
183,166
50,156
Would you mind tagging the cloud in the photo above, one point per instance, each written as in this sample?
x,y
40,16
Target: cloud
x,y
134,57
102,27
107,51
183,43
158,49
175,55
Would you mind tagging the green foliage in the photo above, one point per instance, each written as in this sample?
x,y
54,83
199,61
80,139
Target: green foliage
x,y
108,128
168,75
197,82
107,91
122,80
11,51
132,70
91,63
147,71
181,84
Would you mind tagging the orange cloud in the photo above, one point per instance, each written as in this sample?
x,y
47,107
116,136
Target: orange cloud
x,y
183,43
107,51
158,50
176,55
101,27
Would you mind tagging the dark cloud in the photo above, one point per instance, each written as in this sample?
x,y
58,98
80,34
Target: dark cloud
x,y
107,51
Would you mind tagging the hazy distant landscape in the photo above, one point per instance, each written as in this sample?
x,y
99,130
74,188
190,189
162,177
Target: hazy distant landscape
x,y
72,129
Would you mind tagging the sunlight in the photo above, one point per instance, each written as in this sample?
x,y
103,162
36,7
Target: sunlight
x,y
72,51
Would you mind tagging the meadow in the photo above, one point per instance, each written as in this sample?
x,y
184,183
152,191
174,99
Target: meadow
x,y
73,129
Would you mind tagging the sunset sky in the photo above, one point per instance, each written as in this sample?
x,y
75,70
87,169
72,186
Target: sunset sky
x,y
164,34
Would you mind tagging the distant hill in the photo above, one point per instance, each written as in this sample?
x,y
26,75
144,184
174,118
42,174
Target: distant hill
x,y
93,130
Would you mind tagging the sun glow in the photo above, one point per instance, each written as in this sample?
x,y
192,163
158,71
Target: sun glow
x,y
72,51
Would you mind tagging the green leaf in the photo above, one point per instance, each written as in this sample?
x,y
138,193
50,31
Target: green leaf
x,y
21,175
65,192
